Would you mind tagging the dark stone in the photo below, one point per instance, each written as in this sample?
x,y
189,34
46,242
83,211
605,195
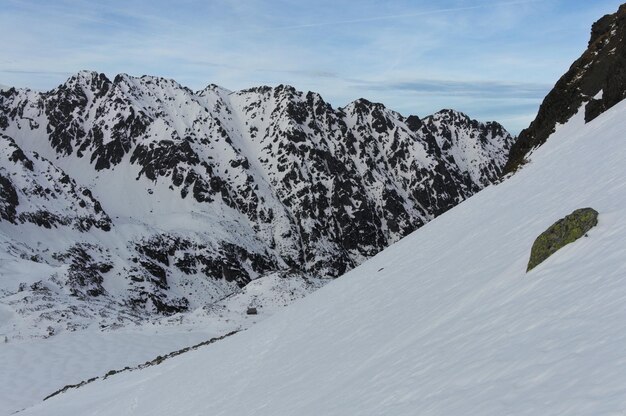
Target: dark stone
x,y
84,277
413,123
8,200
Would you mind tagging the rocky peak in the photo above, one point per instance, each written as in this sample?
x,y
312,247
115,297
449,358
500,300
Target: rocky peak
x,y
372,116
449,114
213,88
85,82
605,26
287,90
450,117
597,79
363,106
87,77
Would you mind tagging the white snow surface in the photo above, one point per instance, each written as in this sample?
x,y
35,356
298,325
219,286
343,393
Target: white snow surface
x,y
32,368
444,322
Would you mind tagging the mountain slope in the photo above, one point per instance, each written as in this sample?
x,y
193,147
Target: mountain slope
x,y
42,194
445,321
195,194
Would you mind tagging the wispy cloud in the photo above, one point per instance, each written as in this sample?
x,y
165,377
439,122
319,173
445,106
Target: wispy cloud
x,y
483,89
34,72
492,59
405,15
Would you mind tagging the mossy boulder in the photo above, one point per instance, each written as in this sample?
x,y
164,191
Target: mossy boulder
x,y
564,231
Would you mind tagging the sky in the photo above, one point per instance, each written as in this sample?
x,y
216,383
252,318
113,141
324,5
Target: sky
x,y
494,60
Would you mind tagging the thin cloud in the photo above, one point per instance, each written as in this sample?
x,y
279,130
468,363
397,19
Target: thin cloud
x,y
484,89
33,72
309,73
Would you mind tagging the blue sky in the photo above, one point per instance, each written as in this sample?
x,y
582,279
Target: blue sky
x,y
494,60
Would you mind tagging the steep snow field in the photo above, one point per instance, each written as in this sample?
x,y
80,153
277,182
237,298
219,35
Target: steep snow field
x,y
444,322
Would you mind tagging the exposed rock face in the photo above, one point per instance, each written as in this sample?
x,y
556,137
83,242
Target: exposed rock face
x,y
36,191
597,78
194,194
564,231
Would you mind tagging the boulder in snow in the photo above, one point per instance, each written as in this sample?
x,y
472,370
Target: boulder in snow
x,y
564,231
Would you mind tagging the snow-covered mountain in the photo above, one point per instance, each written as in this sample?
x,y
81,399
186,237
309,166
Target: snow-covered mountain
x,y
444,322
131,197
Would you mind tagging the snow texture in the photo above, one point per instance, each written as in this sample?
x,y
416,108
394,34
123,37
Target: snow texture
x,y
32,368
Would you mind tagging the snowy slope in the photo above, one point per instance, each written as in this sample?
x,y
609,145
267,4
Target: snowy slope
x,y
444,322
137,198
32,369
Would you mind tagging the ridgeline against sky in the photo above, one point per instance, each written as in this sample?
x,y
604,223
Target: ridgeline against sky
x,y
492,60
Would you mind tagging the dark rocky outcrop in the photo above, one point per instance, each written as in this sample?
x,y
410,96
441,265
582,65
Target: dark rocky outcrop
x,y
46,195
601,68
8,199
85,274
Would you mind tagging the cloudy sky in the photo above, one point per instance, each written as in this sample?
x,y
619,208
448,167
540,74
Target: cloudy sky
x,y
494,60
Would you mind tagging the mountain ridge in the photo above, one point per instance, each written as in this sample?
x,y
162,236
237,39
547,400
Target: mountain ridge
x,y
220,188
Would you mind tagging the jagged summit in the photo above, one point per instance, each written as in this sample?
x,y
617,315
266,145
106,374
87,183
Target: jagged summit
x,y
214,88
363,105
201,193
86,75
450,114
364,102
597,78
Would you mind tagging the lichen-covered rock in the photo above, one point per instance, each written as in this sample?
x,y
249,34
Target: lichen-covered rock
x,y
564,231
